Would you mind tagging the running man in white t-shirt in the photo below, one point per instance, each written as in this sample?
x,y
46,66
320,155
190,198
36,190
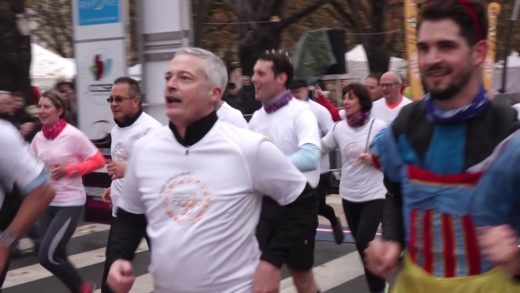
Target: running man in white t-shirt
x,y
131,124
18,167
386,109
290,124
198,184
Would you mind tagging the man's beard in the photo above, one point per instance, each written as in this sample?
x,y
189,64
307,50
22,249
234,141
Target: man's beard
x,y
453,88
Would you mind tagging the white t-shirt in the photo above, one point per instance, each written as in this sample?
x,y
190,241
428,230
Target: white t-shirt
x,y
289,128
360,182
71,146
381,111
203,204
231,115
325,124
123,139
17,165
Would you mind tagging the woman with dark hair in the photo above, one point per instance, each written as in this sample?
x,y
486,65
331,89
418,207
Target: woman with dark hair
x,y
361,185
67,154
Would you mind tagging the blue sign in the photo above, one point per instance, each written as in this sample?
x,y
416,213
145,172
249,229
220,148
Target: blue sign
x,y
92,12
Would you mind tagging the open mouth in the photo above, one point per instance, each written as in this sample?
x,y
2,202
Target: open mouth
x,y
173,100
437,72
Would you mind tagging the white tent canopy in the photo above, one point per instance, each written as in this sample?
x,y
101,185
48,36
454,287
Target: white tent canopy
x,y
357,63
48,67
135,71
513,74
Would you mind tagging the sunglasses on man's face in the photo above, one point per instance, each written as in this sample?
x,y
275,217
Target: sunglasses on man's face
x,y
117,99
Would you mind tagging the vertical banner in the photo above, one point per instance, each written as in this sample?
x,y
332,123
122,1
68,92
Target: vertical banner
x,y
410,28
493,12
100,53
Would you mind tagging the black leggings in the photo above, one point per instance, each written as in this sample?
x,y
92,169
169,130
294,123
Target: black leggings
x,y
324,209
363,219
57,225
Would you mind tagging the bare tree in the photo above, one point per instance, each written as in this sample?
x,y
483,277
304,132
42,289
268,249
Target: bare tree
x,y
51,25
370,21
262,26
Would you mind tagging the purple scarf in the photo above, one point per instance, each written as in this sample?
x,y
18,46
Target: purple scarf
x,y
477,105
359,119
278,102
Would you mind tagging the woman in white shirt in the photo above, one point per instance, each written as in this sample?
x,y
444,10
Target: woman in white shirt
x,y
361,186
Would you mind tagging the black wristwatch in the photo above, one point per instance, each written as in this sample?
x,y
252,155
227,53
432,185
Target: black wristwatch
x,y
7,239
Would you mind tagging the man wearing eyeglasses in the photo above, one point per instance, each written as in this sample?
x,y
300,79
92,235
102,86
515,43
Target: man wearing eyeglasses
x,y
387,109
131,124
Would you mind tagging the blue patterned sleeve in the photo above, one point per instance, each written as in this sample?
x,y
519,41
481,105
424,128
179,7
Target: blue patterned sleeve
x,y
497,197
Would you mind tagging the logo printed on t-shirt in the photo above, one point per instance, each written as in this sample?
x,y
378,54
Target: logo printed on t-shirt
x,y
120,153
185,199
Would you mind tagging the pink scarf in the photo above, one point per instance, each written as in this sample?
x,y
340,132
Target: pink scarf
x,y
53,131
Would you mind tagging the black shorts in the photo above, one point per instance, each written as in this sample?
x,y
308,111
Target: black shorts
x,y
301,258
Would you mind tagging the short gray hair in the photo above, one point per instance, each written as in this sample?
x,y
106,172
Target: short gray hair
x,y
397,76
212,66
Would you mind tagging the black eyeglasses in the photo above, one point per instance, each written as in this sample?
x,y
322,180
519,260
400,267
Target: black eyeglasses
x,y
388,84
118,99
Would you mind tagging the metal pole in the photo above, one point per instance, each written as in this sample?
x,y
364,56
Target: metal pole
x,y
512,21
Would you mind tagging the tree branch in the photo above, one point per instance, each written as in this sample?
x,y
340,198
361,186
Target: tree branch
x,y
296,16
346,16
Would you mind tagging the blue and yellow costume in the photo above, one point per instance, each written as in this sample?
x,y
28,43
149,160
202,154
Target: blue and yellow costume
x,y
442,176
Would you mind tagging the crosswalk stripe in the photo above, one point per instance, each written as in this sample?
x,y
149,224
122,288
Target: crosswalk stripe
x,y
36,272
142,284
89,229
332,273
328,275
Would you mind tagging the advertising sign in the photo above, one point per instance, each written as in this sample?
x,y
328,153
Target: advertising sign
x,y
98,19
92,12
100,53
99,64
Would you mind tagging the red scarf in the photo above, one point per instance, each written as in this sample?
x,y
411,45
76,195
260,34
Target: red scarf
x,y
53,131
